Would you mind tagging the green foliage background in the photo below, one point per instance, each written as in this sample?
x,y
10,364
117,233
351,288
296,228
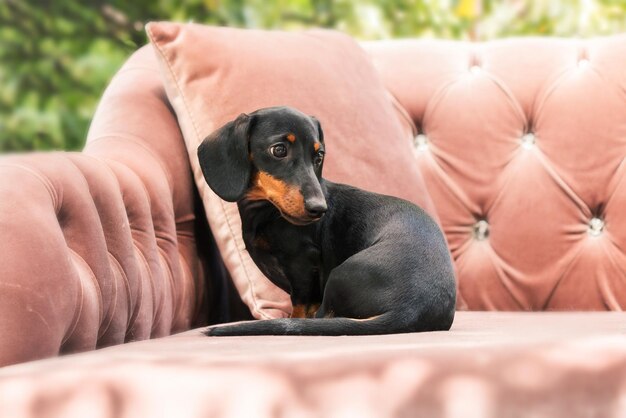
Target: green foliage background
x,y
56,57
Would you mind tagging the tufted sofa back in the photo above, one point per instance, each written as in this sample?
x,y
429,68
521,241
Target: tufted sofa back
x,y
522,143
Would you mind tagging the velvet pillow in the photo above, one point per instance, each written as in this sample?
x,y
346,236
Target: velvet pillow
x,y
212,74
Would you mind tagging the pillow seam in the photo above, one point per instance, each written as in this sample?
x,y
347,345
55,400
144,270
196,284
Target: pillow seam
x,y
196,131
243,264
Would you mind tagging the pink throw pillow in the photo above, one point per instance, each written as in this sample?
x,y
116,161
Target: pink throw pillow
x,y
212,74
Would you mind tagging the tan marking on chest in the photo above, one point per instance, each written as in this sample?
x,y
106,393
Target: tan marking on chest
x,y
305,311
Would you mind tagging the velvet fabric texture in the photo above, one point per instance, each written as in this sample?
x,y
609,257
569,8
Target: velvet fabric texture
x,y
211,75
521,143
490,364
102,247
99,248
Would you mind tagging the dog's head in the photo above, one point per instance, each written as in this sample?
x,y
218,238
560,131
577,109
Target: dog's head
x,y
273,154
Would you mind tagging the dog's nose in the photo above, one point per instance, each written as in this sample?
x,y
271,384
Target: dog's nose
x,y
315,209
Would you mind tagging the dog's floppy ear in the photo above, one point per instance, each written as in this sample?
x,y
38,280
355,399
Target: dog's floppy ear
x,y
224,158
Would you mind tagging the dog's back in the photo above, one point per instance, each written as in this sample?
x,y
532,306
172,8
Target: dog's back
x,y
384,267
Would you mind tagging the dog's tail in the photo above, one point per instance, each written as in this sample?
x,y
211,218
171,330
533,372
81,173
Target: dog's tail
x,y
381,324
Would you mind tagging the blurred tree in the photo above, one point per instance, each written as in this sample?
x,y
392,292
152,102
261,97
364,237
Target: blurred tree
x,y
56,57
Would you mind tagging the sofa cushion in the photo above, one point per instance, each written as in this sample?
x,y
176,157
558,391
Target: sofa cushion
x,y
490,364
212,75
521,143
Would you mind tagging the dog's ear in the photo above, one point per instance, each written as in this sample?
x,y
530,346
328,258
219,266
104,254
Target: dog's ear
x,y
224,159
319,129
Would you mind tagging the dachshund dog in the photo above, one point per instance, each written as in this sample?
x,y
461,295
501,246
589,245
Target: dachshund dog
x,y
354,262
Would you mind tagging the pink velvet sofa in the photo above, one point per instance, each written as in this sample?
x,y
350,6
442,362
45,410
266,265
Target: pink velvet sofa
x,y
521,144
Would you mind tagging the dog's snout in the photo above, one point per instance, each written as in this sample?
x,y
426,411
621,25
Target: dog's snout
x,y
315,208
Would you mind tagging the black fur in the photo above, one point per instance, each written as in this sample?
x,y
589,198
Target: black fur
x,y
223,157
376,264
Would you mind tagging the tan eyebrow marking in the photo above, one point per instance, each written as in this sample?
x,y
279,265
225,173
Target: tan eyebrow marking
x,y
291,138
316,146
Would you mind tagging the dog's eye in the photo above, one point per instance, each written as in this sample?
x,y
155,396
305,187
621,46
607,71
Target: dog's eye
x,y
319,157
279,151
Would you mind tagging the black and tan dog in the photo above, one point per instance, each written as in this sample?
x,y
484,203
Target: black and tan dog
x,y
373,264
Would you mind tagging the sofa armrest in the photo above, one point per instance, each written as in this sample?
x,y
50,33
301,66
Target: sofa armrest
x,y
86,259
99,247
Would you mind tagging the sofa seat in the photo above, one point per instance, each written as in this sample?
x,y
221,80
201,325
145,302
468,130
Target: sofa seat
x,y
490,364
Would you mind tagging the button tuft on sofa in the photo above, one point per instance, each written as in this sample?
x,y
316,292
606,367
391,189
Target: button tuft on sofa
x,y
420,142
596,227
481,230
528,140
583,63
